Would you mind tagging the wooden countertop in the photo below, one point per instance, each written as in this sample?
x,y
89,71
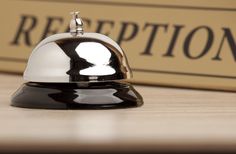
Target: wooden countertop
x,y
170,120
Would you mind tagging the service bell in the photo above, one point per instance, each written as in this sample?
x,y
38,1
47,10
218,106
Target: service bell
x,y
77,70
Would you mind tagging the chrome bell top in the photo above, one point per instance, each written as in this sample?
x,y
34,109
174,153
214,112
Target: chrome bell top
x,y
77,57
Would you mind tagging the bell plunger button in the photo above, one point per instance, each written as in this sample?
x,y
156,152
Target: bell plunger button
x,y
76,24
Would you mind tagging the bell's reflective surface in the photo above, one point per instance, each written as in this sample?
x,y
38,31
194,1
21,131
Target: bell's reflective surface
x,y
77,70
66,58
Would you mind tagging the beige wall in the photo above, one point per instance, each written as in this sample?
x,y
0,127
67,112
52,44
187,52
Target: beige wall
x,y
178,43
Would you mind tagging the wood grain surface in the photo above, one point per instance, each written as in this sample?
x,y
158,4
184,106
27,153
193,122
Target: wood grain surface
x,y
171,120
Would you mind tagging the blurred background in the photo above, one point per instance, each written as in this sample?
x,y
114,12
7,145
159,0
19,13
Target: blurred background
x,y
175,43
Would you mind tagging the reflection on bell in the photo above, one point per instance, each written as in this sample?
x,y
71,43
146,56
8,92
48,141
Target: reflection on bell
x,y
77,70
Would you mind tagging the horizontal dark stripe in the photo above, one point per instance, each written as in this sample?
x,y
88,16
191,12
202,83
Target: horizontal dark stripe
x,y
143,70
183,73
128,4
13,59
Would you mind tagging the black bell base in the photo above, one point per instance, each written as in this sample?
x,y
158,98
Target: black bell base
x,y
101,95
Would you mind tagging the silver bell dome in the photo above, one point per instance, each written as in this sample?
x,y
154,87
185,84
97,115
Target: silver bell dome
x,y
77,57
